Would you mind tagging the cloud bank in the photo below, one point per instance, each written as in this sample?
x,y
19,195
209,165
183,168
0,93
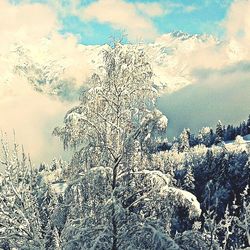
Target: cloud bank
x,y
30,42
32,116
221,94
25,22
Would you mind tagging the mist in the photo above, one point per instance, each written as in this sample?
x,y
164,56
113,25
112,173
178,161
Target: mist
x,y
216,95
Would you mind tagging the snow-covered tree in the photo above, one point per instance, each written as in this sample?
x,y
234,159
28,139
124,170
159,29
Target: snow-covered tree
x,y
205,136
188,182
193,239
184,140
248,125
25,202
243,221
239,140
28,201
118,198
219,132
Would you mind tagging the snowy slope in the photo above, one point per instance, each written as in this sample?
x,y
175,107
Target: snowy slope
x,y
239,144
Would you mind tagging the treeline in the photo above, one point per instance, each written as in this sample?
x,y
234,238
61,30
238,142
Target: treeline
x,y
229,132
219,178
207,136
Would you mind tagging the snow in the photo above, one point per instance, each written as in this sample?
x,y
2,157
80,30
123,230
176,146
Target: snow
x,y
185,198
163,122
189,200
239,144
59,187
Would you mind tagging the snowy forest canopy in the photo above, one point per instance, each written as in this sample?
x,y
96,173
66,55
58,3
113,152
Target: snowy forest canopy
x,y
125,186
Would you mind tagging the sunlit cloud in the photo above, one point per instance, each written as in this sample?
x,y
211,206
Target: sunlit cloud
x,y
125,16
32,116
33,30
150,9
237,26
26,22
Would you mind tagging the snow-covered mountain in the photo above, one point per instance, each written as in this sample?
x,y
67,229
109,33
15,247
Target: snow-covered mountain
x,y
63,72
175,57
170,57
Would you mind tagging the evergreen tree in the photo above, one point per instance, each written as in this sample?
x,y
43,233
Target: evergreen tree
x,y
243,222
205,136
188,182
243,128
219,132
23,218
248,125
230,133
184,141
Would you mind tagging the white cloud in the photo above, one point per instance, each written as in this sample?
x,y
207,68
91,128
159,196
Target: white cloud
x,y
150,9
190,8
171,6
66,53
31,114
207,51
237,25
25,22
125,16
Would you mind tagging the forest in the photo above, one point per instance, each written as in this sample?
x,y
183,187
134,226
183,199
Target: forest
x,y
126,186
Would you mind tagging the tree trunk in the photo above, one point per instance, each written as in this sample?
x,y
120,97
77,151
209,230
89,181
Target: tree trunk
x,y
114,245
114,223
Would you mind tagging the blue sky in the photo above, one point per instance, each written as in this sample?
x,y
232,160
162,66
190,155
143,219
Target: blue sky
x,y
194,17
86,18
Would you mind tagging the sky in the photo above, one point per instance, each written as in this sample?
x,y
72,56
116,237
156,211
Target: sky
x,y
50,36
94,21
